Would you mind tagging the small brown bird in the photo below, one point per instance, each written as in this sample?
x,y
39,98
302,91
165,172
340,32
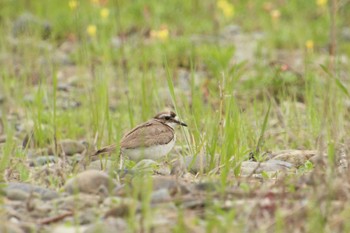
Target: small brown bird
x,y
150,140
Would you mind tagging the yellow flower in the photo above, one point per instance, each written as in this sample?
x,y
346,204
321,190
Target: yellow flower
x,y
309,44
91,30
227,8
104,13
275,14
321,3
162,34
73,4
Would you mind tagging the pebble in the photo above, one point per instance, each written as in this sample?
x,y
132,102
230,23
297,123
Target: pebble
x,y
91,182
295,157
171,183
17,194
159,196
43,160
17,190
6,227
193,164
248,167
110,225
101,165
70,147
77,202
68,229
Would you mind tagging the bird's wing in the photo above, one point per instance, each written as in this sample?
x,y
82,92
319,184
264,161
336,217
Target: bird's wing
x,y
147,134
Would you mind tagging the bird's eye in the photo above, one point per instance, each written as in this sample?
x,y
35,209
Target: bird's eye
x,y
167,118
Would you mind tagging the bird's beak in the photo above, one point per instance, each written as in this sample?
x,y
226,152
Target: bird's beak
x,y
181,123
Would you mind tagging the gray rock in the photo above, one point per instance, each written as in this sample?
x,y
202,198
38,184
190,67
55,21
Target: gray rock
x,y
63,228
6,227
206,186
280,163
43,160
17,194
45,194
161,195
78,202
71,147
91,182
110,225
164,182
249,167
193,163
171,183
101,165
296,157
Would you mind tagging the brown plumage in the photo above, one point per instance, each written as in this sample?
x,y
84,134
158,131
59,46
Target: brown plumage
x,y
152,132
150,139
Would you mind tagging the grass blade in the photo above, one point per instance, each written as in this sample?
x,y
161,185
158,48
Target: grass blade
x,y
263,129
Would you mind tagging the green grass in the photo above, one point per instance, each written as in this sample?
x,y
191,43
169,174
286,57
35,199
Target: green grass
x,y
231,109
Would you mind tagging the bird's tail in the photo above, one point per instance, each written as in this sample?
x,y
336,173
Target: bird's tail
x,y
107,149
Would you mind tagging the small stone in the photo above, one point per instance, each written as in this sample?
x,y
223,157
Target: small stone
x,y
194,163
77,202
91,182
101,165
43,160
280,163
170,183
206,186
249,167
45,194
87,216
17,195
110,225
68,229
161,195
296,157
122,210
6,227
70,147
163,169
164,182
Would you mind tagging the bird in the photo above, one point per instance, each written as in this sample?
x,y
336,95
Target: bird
x,y
152,139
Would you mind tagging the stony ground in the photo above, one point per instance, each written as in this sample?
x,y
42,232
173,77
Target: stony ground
x,y
102,198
